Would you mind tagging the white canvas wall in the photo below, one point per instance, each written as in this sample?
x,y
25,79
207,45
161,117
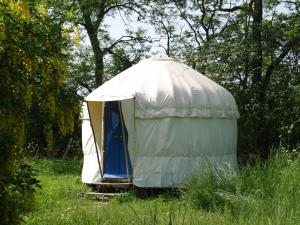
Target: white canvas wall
x,y
169,149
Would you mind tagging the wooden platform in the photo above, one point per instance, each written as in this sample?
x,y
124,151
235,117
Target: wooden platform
x,y
103,197
117,180
113,185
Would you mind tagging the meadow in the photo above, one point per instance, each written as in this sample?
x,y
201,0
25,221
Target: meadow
x,y
258,193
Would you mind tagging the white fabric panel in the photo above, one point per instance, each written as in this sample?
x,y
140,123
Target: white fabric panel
x,y
165,87
90,171
167,172
170,148
128,115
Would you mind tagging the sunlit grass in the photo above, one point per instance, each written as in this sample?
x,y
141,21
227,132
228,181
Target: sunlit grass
x,y
266,193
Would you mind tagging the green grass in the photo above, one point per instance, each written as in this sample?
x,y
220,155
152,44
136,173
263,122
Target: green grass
x,y
266,193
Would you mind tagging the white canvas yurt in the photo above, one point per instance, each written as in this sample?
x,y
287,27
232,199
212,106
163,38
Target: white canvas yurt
x,y
155,123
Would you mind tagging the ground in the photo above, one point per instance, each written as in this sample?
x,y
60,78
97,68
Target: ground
x,y
263,194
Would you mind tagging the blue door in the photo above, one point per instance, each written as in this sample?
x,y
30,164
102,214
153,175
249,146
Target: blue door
x,y
114,154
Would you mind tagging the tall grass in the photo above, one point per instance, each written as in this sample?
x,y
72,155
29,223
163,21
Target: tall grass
x,y
263,193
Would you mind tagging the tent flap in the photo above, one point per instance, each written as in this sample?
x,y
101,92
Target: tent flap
x,y
90,171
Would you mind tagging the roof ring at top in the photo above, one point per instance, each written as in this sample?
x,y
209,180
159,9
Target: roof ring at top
x,y
162,57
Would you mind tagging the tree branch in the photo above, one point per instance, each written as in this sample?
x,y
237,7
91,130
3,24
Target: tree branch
x,y
82,84
235,8
100,15
131,6
122,40
168,37
291,44
196,34
203,10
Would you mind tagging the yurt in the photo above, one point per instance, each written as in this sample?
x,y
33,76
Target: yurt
x,y
156,123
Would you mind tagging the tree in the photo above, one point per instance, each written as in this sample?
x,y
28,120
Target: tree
x,y
123,58
31,58
248,47
55,108
163,18
93,15
81,70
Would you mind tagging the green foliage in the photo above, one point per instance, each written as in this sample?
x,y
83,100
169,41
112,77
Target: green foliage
x,y
16,70
122,59
55,108
31,60
92,16
54,120
81,71
228,53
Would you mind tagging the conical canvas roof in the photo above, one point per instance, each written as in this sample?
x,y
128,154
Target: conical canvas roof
x,y
163,87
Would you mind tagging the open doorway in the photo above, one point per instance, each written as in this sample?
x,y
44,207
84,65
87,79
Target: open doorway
x,y
116,157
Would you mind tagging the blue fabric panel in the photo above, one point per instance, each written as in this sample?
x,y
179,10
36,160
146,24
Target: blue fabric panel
x,y
114,155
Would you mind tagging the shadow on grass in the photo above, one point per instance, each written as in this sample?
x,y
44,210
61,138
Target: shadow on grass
x,y
160,194
152,193
56,166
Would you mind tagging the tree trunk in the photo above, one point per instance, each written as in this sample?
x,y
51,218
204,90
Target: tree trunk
x,y
99,67
257,42
68,148
98,53
260,128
